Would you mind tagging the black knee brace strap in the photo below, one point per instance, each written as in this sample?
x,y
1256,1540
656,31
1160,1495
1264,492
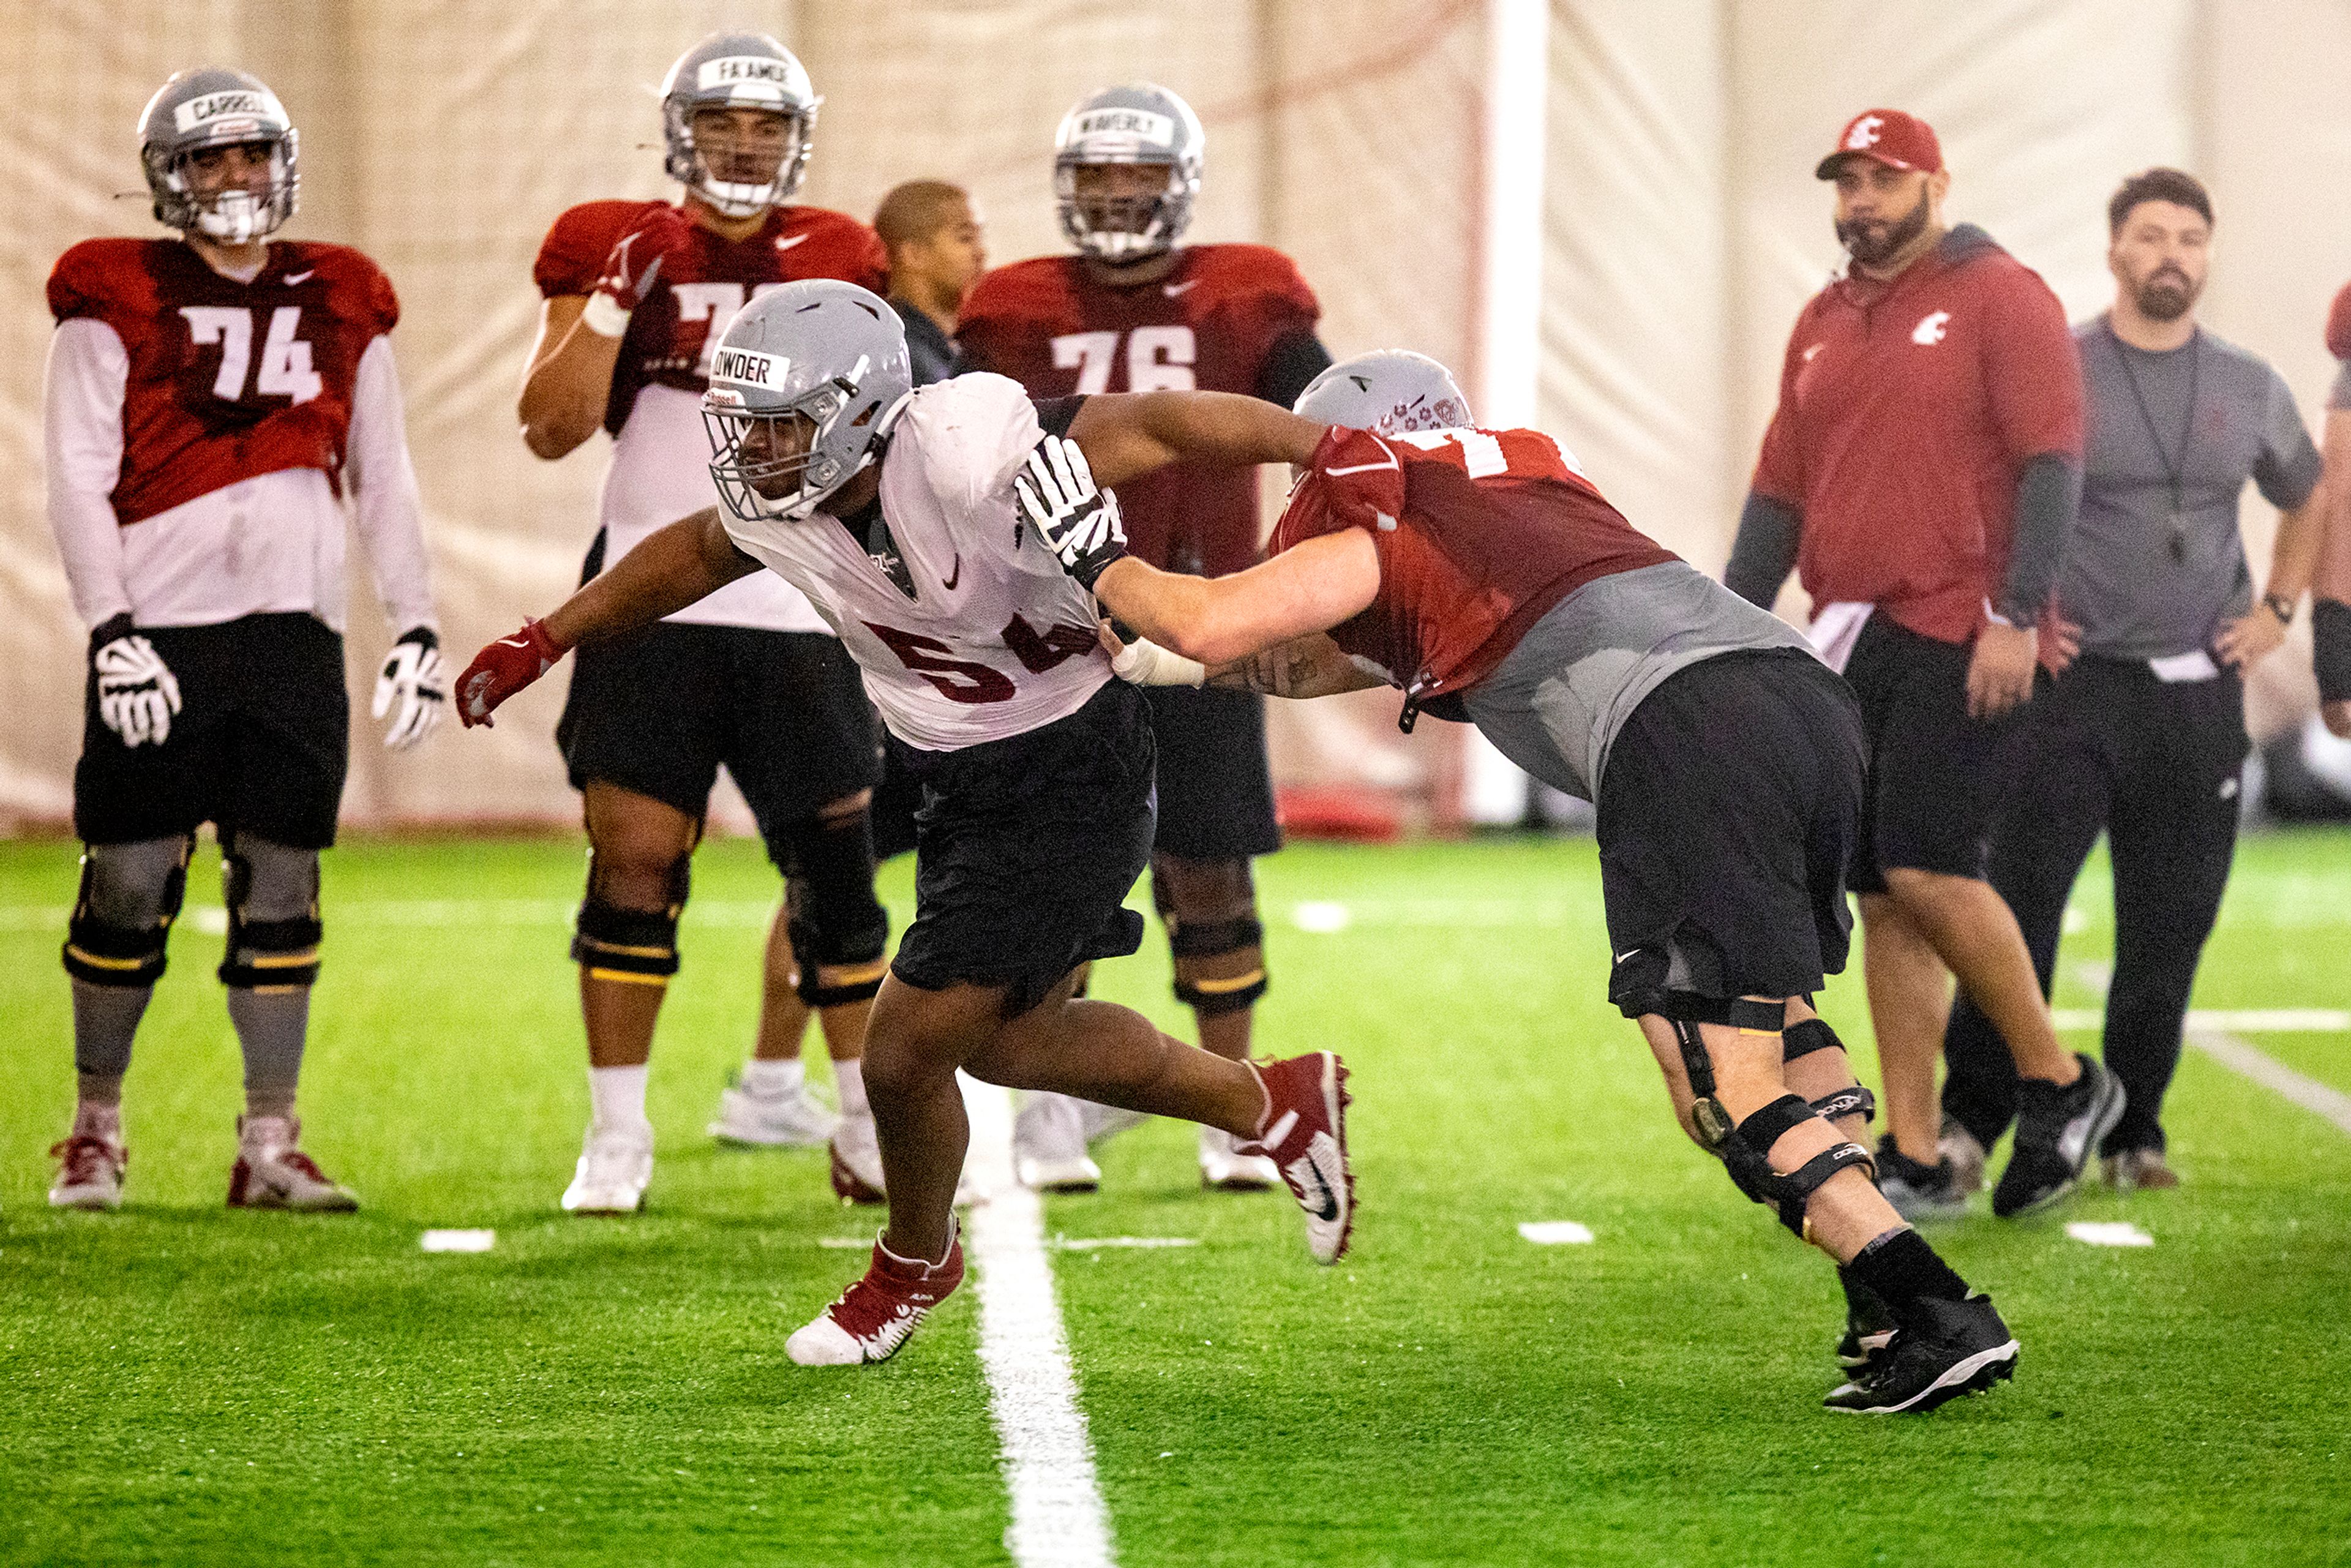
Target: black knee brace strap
x,y
1215,939
1805,1038
1685,1010
832,915
1854,1101
99,952
633,946
1787,1194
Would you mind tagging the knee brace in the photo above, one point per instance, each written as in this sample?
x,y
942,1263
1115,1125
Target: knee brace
x,y
123,912
1685,1010
834,921
635,946
1855,1101
1217,939
1750,1167
1804,1039
274,932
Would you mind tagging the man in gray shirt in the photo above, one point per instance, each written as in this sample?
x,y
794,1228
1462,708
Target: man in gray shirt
x,y
2143,734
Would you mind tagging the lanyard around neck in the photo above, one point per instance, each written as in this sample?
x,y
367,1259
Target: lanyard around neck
x,y
2175,472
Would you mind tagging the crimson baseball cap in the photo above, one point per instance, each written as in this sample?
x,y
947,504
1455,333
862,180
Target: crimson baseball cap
x,y
1888,136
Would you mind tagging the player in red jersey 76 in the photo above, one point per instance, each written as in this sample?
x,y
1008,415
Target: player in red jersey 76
x,y
1137,310
638,294
1481,571
213,400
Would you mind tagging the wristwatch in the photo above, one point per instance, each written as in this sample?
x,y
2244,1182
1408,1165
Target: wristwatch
x,y
2279,605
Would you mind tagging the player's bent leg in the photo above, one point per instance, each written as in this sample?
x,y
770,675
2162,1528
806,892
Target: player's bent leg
x,y
271,963
1818,1069
114,951
639,873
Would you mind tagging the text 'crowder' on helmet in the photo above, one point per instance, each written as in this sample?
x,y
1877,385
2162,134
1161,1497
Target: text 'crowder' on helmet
x,y
1388,391
737,70
822,350
1138,123
217,107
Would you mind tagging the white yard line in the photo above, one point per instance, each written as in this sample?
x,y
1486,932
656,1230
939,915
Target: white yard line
x,y
2319,1099
1058,1517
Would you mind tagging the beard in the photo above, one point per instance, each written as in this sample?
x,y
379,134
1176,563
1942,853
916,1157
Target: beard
x,y
1873,243
2165,295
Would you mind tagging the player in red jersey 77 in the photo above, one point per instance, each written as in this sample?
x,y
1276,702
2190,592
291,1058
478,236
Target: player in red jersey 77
x,y
1481,571
213,400
638,294
1137,310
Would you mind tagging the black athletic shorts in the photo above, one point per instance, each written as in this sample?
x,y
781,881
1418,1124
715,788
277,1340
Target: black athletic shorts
x,y
1937,778
261,742
1728,814
1215,788
1029,848
659,710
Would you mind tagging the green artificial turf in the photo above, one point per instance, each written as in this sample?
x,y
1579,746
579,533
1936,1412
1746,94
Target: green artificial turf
x,y
184,1385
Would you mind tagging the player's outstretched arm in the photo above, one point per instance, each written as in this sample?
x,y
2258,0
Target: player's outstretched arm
x,y
1309,667
680,564
1127,434
1307,588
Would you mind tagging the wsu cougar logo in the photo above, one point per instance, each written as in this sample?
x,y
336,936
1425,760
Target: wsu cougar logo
x,y
1930,329
1864,132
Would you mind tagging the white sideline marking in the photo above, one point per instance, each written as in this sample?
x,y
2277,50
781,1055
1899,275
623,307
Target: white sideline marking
x,y
2109,1233
458,1240
2254,1020
1555,1232
1058,1518
1319,918
2319,1099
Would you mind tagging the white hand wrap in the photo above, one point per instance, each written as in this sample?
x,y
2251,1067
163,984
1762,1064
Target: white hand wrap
x,y
1145,663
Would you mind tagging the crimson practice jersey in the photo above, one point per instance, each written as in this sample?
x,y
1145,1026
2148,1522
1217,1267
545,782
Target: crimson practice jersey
x,y
1210,324
661,455
226,381
1480,533
995,639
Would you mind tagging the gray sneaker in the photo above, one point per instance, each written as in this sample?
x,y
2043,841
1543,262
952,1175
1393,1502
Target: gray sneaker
x,y
2139,1169
1917,1190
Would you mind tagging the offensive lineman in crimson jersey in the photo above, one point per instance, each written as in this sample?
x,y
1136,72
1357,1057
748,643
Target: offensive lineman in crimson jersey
x,y
637,297
1481,571
894,510
212,402
1136,311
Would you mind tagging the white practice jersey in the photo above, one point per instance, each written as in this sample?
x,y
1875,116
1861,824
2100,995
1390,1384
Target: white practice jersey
x,y
660,473
997,640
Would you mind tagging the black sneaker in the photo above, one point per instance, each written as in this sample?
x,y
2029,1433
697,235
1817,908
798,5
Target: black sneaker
x,y
1955,1348
1916,1189
2057,1129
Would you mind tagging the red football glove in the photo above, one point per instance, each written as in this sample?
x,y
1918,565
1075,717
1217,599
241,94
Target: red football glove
x,y
501,669
632,266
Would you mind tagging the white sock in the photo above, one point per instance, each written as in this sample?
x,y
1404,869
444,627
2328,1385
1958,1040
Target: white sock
x,y
618,1093
773,1080
849,1078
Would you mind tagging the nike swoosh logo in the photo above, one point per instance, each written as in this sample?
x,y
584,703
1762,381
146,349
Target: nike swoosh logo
x,y
1173,289
1325,1203
949,581
1361,468
785,242
294,278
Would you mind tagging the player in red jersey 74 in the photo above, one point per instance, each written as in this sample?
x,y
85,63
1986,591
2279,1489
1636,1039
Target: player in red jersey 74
x,y
1137,310
1481,571
213,400
637,295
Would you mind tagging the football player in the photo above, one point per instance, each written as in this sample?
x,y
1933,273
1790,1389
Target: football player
x,y
1481,571
212,402
893,510
1137,310
637,294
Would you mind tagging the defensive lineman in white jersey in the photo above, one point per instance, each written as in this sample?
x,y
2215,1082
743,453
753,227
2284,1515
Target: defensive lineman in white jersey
x,y
894,510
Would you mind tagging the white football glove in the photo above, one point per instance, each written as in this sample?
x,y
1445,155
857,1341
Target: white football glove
x,y
137,693
1076,520
412,689
1145,663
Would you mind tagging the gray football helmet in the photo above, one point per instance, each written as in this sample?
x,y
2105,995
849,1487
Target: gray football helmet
x,y
737,70
804,386
215,107
1387,390
1137,123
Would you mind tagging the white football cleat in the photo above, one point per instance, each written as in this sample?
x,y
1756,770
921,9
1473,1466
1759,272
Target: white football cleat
x,y
272,1173
857,1160
1048,1144
615,1165
89,1173
795,1120
1305,1136
874,1316
1223,1169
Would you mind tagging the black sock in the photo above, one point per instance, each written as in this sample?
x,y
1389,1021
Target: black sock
x,y
1903,1270
1864,1308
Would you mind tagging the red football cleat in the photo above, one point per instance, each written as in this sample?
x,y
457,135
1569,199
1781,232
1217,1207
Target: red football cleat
x,y
1305,1136
874,1316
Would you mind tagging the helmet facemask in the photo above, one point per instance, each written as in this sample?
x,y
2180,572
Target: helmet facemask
x,y
1124,228
782,464
736,197
236,213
